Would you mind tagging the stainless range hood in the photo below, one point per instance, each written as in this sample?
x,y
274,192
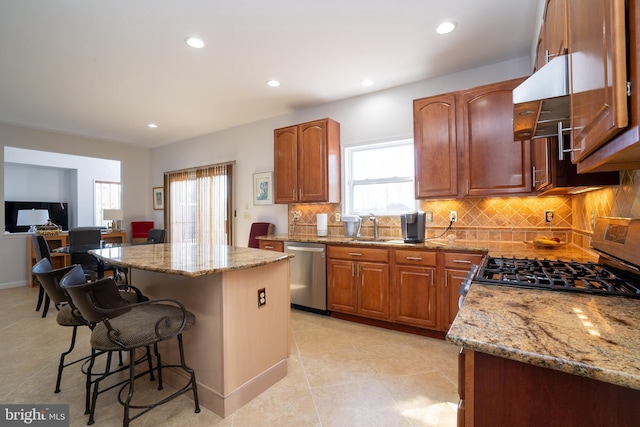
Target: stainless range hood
x,y
541,102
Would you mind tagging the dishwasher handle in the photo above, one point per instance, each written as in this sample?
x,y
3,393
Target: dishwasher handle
x,y
303,249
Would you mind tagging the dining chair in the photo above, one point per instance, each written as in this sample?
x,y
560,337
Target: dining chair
x,y
259,229
120,326
156,235
81,240
41,250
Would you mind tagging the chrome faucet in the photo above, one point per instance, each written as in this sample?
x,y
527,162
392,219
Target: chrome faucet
x,y
373,218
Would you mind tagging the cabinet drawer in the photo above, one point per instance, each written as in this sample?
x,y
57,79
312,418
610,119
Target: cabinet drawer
x,y
424,258
461,260
358,254
271,245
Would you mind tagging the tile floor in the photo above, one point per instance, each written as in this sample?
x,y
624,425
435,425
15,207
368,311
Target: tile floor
x,y
339,374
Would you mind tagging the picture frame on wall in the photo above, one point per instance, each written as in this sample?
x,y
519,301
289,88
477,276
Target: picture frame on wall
x,y
263,188
158,198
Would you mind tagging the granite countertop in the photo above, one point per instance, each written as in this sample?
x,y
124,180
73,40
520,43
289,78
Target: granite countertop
x,y
493,248
591,336
189,260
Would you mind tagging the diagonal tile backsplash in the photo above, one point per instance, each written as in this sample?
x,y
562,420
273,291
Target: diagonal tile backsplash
x,y
502,218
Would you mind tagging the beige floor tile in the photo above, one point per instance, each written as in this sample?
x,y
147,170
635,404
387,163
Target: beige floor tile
x,y
339,374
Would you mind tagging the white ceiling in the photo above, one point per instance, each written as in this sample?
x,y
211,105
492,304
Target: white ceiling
x,y
107,68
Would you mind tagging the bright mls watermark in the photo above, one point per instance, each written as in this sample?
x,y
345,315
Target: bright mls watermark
x,y
34,415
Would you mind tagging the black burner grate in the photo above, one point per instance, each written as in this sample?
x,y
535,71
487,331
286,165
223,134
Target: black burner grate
x,y
558,275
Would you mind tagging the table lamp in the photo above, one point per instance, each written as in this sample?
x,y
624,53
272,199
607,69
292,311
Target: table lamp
x,y
32,217
113,215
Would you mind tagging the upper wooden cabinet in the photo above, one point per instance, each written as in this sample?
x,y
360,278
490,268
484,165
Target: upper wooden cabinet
x,y
464,144
435,142
597,63
494,164
555,29
307,162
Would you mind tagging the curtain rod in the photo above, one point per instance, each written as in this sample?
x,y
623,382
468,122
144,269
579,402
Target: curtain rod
x,y
232,162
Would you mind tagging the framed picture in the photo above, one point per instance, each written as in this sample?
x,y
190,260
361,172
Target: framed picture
x,y
158,198
263,188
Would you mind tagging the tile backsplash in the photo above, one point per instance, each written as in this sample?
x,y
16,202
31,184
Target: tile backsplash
x,y
500,218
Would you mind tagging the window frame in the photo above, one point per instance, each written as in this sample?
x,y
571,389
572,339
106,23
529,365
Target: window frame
x,y
348,183
98,208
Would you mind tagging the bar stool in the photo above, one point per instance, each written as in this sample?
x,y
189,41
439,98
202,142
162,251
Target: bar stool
x,y
120,326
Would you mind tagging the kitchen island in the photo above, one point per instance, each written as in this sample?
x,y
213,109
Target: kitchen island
x,y
537,357
239,345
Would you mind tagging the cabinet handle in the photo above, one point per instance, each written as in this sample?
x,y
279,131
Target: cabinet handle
x,y
432,283
300,194
414,258
354,254
268,247
462,261
561,149
293,194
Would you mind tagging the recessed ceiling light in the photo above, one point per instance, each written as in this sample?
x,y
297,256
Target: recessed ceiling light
x,y
273,83
366,82
152,125
194,42
446,27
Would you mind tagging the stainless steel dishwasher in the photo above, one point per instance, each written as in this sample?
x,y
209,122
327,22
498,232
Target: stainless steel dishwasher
x,y
308,275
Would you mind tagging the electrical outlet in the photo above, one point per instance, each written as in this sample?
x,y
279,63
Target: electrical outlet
x,y
428,217
262,297
338,217
548,216
453,216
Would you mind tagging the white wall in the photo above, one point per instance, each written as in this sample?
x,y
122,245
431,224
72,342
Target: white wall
x,y
383,115
135,174
39,176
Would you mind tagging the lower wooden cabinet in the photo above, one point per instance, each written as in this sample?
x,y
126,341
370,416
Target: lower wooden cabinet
x,y
413,287
495,391
271,245
358,281
456,266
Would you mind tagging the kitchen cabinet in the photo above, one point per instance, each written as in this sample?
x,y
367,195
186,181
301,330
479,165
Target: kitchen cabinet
x,y
552,176
597,64
307,162
414,288
495,391
464,144
456,267
554,29
435,142
271,245
623,150
358,281
494,164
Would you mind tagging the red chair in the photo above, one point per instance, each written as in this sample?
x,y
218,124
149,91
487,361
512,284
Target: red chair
x,y
259,229
140,231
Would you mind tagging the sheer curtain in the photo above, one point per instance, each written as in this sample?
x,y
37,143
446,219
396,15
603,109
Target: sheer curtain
x,y
199,204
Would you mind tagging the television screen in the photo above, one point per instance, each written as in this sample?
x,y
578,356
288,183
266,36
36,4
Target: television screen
x,y
58,213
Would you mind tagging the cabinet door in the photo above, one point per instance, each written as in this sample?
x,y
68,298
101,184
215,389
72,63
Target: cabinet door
x,y
312,162
541,163
494,163
342,295
415,296
598,73
373,289
435,144
452,281
555,29
286,165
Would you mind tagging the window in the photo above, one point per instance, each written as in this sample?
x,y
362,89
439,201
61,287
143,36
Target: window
x,y
106,196
199,205
379,178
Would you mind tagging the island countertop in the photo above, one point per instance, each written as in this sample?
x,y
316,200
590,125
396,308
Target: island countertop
x,y
591,336
187,259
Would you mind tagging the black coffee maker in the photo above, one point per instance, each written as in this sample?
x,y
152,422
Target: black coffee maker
x,y
412,227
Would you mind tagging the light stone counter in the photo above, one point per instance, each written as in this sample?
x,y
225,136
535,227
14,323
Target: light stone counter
x,y
189,260
494,248
240,343
592,336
